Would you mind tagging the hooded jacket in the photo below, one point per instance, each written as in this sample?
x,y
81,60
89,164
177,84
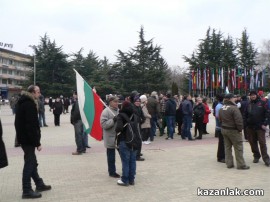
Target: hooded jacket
x,y
26,120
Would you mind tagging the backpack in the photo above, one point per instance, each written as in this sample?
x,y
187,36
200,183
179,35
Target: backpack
x,y
132,133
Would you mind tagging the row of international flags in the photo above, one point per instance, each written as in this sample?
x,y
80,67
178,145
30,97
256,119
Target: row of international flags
x,y
232,78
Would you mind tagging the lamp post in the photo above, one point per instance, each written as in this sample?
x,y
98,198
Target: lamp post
x,y
34,47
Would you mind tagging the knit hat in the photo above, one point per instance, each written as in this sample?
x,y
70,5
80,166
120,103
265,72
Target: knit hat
x,y
137,98
143,98
154,93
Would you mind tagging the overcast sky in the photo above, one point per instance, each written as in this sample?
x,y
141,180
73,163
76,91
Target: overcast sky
x,y
105,26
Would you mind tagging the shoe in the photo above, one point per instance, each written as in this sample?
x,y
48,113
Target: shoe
x,y
267,163
168,138
88,147
255,160
198,138
84,151
145,142
43,188
31,194
232,166
17,145
132,183
140,159
115,175
221,160
141,154
243,168
76,153
45,125
121,183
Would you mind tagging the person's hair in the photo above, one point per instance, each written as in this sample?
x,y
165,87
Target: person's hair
x,y
31,89
204,100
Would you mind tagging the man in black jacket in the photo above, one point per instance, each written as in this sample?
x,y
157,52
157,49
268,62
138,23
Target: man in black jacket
x,y
170,112
255,118
28,133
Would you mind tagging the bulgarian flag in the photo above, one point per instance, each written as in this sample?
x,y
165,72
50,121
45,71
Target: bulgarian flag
x,y
90,106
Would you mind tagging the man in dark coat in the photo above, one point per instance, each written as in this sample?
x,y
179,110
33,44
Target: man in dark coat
x,y
28,133
3,154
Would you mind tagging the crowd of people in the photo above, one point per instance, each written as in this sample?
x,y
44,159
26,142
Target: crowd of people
x,y
142,115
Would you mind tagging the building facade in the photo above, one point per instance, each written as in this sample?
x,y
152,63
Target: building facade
x,y
14,68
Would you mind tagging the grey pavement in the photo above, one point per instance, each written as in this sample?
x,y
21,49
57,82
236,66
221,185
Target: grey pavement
x,y
173,170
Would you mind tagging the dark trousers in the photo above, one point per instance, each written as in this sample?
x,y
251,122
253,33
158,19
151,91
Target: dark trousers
x,y
30,169
111,161
145,134
57,119
255,136
199,126
221,148
204,127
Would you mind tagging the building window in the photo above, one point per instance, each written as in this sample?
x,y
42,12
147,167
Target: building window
x,y
4,81
4,71
10,72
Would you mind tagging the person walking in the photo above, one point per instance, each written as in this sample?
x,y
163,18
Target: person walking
x,y
256,120
231,129
57,111
187,117
108,123
28,133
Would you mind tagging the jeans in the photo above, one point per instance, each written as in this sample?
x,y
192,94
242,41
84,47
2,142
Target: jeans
x,y
186,127
170,121
78,127
41,118
128,158
30,169
111,161
85,139
153,123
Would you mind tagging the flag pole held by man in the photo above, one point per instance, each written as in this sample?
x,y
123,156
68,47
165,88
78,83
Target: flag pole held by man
x,y
90,106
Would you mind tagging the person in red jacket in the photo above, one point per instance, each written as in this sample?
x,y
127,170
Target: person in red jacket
x,y
206,115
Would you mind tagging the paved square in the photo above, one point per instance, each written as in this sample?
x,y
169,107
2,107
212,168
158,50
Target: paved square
x,y
173,170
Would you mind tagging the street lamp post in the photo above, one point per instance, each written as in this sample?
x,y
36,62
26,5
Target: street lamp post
x,y
33,47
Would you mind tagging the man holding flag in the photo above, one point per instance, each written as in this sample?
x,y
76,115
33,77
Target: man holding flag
x,y
76,121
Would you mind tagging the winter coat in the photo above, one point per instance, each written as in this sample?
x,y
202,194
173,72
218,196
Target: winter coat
x,y
256,114
57,107
108,125
26,120
198,112
187,107
206,114
75,115
147,116
3,154
41,102
170,109
153,107
230,116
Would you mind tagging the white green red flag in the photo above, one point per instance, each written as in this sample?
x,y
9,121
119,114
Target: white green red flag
x,y
90,107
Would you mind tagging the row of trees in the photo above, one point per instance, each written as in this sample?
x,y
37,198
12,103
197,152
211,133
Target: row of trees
x,y
142,68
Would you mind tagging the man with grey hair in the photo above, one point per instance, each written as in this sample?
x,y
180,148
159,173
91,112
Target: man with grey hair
x,y
108,123
28,133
